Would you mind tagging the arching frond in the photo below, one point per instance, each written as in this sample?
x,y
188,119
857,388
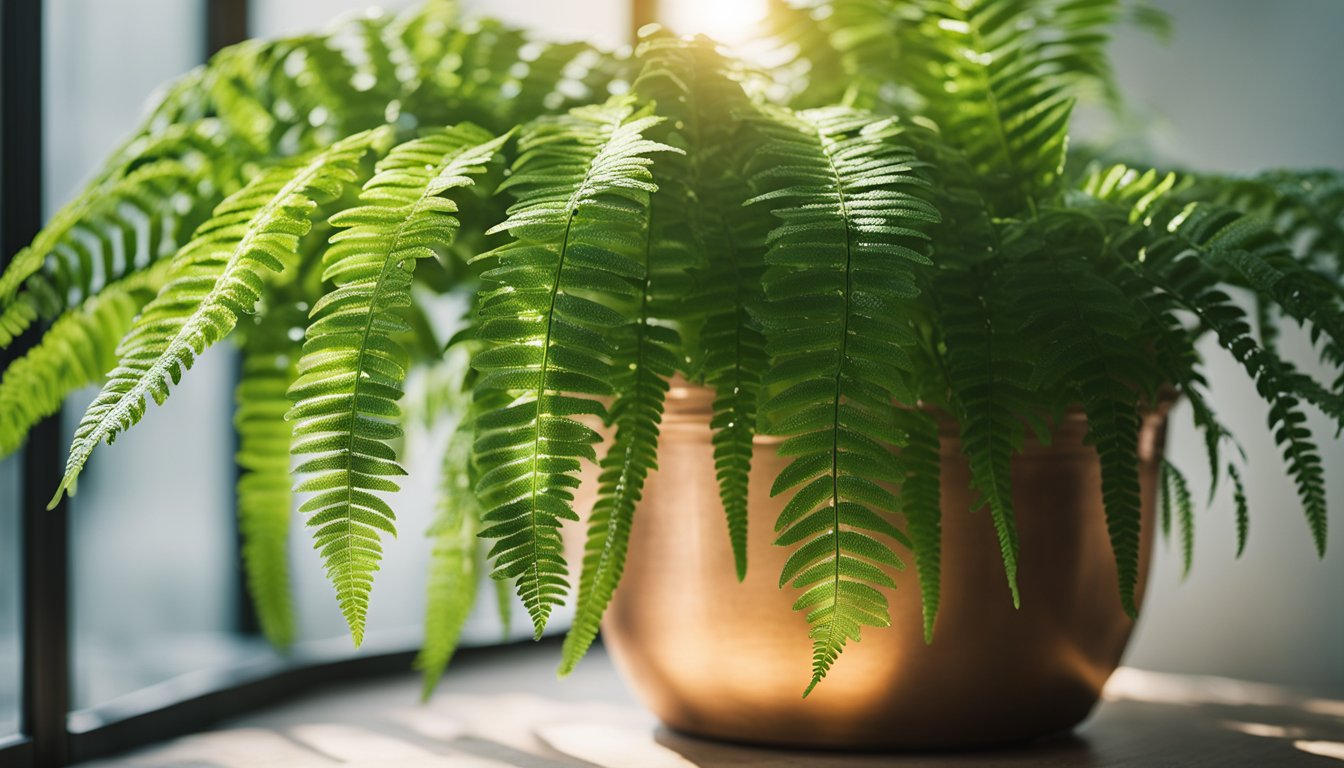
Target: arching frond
x,y
1176,502
131,217
841,268
78,350
265,500
1182,275
1090,349
987,376
352,370
452,573
216,278
920,500
724,245
562,288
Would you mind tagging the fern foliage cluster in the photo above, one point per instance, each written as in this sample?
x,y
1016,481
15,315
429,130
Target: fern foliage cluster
x,y
864,244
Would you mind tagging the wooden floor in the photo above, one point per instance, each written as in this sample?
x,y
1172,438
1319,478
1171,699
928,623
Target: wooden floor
x,y
505,709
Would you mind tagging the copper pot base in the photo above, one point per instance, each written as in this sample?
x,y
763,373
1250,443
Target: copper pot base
x,y
726,660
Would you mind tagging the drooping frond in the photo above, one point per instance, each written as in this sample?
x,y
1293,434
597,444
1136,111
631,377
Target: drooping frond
x,y
1138,196
1241,506
840,271
265,500
920,499
1181,274
647,355
987,377
1176,502
1306,208
1089,345
636,415
353,368
452,572
652,351
78,350
126,220
562,288
215,279
171,122
723,244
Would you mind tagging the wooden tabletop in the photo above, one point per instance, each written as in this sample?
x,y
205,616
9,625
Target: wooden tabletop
x,y
505,709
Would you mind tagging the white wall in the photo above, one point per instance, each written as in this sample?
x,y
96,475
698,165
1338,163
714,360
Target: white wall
x,y
1246,85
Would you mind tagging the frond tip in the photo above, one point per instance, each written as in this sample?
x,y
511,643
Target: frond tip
x,y
560,291
215,279
452,574
353,368
841,267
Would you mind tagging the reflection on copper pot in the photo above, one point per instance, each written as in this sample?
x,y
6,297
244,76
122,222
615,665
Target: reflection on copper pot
x,y
714,657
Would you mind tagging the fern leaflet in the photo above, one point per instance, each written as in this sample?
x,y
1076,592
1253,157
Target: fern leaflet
x,y
452,573
920,499
562,288
840,272
353,368
215,279
265,500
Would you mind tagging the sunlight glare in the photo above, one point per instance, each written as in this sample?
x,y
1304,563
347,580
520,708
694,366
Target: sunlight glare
x,y
727,21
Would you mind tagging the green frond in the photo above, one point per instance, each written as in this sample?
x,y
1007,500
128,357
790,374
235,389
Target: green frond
x,y
646,357
1176,494
452,571
920,499
78,350
497,75
215,279
265,500
645,362
636,414
841,270
561,289
1242,508
1090,349
1305,207
986,378
998,77
353,368
180,105
1182,274
723,245
125,221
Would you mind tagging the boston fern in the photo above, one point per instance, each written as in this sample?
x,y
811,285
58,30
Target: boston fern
x,y
875,232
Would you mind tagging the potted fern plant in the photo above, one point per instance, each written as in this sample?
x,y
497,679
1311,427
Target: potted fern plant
x,y
836,303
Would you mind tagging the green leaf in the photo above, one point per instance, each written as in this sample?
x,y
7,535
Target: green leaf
x,y
215,278
353,368
452,573
265,501
78,350
581,180
828,175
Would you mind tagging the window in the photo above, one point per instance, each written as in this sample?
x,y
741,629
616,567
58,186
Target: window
x,y
11,670
158,636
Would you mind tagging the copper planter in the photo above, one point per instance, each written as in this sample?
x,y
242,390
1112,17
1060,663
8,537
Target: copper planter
x,y
714,657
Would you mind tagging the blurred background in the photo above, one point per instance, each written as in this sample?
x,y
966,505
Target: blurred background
x,y
1241,86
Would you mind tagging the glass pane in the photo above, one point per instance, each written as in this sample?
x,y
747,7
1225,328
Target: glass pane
x,y
11,671
153,577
